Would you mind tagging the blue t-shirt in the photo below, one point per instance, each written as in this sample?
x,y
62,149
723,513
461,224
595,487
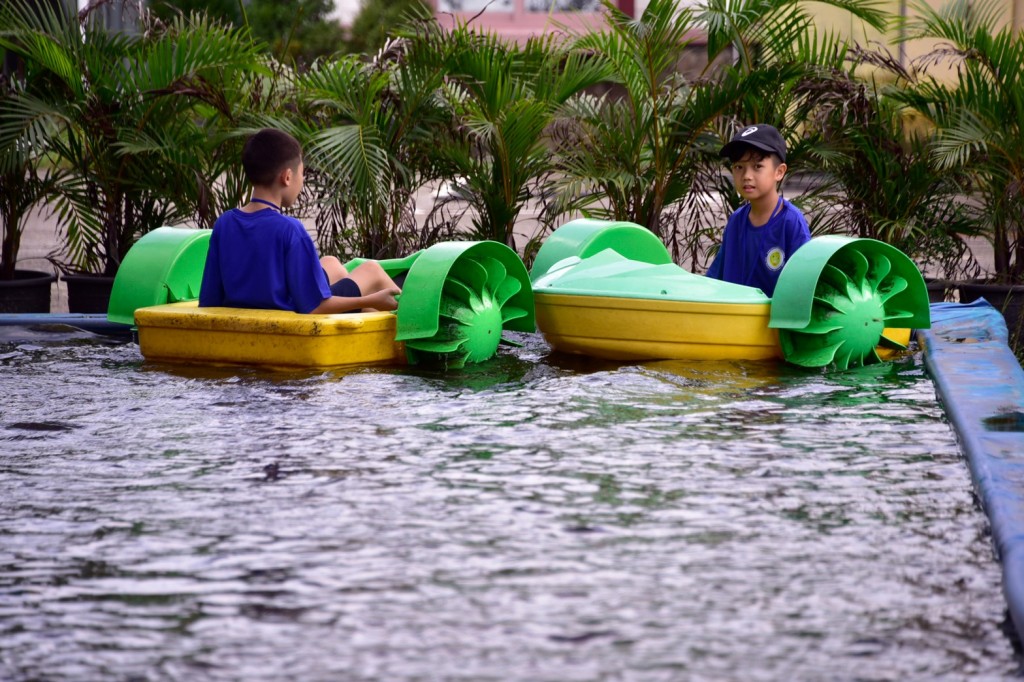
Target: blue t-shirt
x,y
262,260
754,256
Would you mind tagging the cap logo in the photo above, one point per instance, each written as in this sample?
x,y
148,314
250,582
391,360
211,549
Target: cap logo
x,y
749,131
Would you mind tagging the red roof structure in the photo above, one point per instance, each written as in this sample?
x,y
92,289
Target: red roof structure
x,y
519,19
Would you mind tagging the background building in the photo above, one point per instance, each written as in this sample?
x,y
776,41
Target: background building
x,y
519,19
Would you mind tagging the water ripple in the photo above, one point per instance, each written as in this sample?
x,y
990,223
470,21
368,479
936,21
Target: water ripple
x,y
532,519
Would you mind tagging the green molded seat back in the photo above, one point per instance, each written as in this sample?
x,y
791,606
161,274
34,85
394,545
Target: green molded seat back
x,y
585,237
164,266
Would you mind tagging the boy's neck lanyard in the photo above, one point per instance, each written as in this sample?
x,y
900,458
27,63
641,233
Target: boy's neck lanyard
x,y
776,211
266,203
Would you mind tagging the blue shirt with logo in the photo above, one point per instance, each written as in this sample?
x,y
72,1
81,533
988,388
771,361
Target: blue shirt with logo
x,y
262,260
754,256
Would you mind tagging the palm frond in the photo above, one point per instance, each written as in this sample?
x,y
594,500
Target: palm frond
x,y
955,145
358,151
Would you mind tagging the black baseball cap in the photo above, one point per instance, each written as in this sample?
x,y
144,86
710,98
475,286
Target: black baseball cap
x,y
760,136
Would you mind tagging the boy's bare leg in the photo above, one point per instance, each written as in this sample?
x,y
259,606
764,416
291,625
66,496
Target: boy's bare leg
x,y
371,278
375,283
334,269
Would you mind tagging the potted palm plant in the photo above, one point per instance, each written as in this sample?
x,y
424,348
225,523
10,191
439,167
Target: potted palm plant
x,y
22,186
980,121
503,99
133,121
364,126
866,138
25,180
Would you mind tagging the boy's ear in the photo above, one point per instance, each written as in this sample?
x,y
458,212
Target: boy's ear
x,y
285,178
780,171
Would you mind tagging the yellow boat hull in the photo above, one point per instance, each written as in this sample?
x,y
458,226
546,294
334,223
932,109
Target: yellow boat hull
x,y
644,329
186,333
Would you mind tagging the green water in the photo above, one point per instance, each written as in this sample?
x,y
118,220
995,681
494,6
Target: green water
x,y
535,518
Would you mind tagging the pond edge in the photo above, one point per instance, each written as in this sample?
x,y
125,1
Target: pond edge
x,y
980,384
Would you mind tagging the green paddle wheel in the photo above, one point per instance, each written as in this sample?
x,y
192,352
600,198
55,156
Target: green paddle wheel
x,y
838,298
458,298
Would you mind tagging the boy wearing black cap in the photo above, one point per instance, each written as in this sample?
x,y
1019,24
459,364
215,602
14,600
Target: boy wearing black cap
x,y
762,234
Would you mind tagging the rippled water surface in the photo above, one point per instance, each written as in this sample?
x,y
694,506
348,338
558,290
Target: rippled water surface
x,y
536,518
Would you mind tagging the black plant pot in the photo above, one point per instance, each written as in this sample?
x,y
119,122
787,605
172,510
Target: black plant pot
x,y
28,292
938,290
1007,298
88,293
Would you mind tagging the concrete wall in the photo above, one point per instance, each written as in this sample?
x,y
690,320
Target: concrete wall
x,y
832,19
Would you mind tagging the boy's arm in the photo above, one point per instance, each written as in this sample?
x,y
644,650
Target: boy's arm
x,y
715,269
211,289
799,232
380,300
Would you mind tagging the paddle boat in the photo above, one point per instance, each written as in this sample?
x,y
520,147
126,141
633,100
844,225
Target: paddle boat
x,y
603,289
610,290
457,299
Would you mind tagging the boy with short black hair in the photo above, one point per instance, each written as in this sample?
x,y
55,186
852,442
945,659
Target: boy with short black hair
x,y
260,258
762,234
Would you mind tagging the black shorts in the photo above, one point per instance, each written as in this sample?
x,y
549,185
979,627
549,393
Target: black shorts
x,y
346,288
